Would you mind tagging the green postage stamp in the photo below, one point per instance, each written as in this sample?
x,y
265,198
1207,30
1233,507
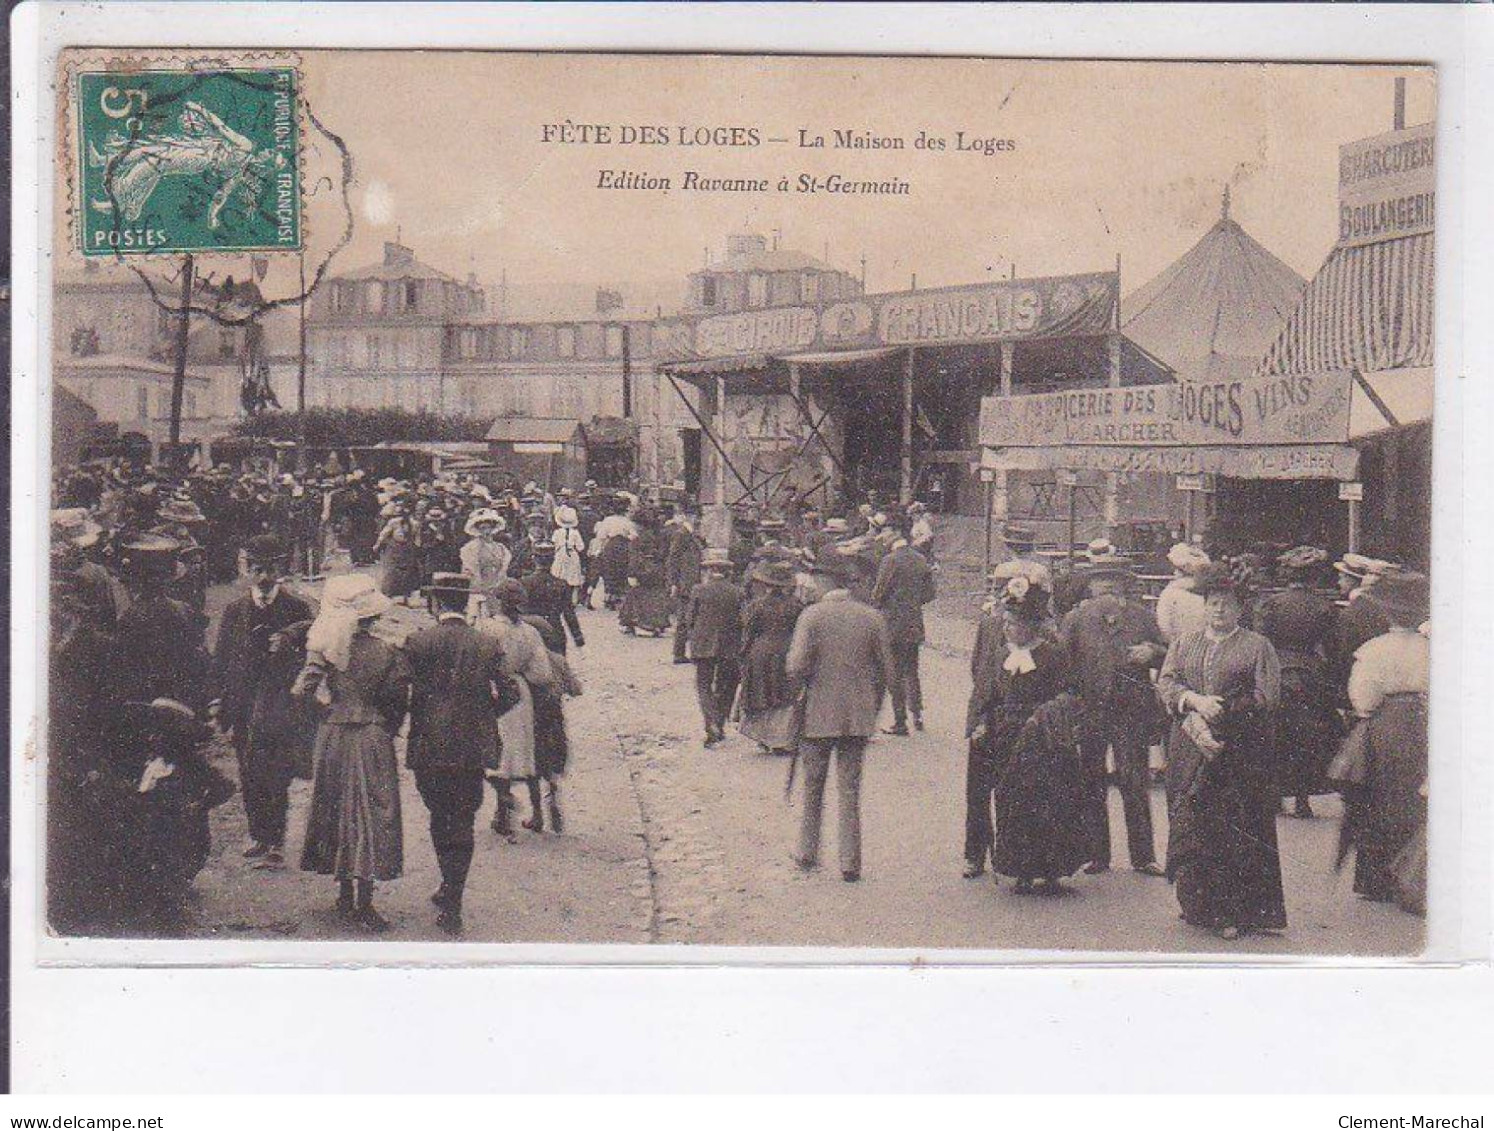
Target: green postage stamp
x,y
188,161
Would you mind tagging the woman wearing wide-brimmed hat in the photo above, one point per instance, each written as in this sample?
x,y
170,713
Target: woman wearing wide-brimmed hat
x,y
1030,772
1221,685
570,549
647,607
353,828
1383,770
1299,622
768,699
484,558
527,660
397,548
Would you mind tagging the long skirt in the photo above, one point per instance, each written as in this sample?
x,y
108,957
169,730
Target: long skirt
x,y
516,732
1308,732
777,728
551,745
647,607
400,569
1039,808
1221,843
353,831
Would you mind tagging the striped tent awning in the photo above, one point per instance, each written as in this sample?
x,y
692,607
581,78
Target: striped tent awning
x,y
1368,308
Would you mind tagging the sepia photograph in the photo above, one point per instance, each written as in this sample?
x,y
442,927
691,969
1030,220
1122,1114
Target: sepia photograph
x,y
968,505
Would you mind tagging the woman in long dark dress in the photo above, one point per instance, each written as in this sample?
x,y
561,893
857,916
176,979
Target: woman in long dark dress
x,y
1035,782
1385,807
1299,624
1220,685
767,697
353,828
647,606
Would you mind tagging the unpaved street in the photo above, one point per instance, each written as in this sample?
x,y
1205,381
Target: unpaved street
x,y
669,842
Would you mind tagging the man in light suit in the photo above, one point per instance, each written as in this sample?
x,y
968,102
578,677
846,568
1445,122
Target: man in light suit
x,y
457,693
905,584
841,658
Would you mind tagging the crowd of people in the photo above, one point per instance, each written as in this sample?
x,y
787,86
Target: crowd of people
x,y
1258,685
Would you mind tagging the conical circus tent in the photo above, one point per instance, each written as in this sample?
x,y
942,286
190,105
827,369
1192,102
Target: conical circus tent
x,y
1214,313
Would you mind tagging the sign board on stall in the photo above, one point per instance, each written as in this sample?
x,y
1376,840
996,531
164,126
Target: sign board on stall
x,y
1196,481
1010,309
1304,408
538,448
1068,478
1387,186
1276,461
1351,492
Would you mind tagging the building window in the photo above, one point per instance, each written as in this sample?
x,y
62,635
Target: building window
x,y
142,402
614,341
373,352
85,342
565,341
757,290
342,297
469,343
227,345
708,290
189,405
518,341
809,287
412,294
376,297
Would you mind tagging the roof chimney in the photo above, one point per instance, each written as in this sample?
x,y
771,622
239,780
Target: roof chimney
x,y
1224,208
397,255
745,244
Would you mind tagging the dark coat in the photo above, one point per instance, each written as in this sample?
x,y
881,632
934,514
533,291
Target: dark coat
x,y
1097,635
841,657
713,620
455,699
159,652
548,597
682,561
241,654
905,584
768,630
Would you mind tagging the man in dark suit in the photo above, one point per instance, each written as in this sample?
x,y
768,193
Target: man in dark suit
x,y
458,690
1112,644
712,624
682,574
254,666
840,656
905,584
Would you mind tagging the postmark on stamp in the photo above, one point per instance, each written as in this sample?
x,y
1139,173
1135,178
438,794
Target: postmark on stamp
x,y
188,161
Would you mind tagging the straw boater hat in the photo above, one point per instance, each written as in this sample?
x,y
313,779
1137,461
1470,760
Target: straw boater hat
x,y
1366,569
1404,597
152,555
1019,536
1102,550
1187,558
566,516
836,526
449,583
484,516
544,548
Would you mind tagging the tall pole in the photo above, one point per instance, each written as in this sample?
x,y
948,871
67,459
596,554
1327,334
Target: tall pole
x,y
905,487
179,377
627,360
301,372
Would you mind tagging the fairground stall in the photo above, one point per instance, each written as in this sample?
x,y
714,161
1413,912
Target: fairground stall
x,y
879,398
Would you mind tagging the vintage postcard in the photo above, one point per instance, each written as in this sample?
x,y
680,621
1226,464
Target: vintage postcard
x,y
961,505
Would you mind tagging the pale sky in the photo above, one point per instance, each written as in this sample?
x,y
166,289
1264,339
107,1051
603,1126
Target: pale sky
x,y
1111,158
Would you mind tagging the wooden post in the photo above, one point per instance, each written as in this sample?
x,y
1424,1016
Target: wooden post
x,y
1353,526
998,501
1188,521
179,377
721,437
905,486
1112,478
1073,519
990,502
301,372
